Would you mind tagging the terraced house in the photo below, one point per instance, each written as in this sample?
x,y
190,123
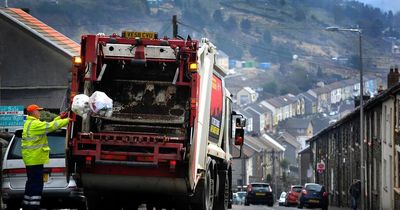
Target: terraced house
x,y
339,147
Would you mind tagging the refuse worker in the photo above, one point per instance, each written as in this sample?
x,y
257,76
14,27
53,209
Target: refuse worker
x,y
355,192
35,152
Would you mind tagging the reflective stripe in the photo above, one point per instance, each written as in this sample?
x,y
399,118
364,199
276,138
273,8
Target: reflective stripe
x,y
47,128
33,138
34,146
29,127
32,203
36,197
56,124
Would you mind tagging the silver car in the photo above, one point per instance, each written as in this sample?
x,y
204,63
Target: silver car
x,y
57,191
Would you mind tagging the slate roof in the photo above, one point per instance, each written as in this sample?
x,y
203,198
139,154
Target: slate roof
x,y
295,123
257,108
41,30
308,96
249,90
282,101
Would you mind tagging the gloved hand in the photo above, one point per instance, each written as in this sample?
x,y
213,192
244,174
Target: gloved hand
x,y
63,115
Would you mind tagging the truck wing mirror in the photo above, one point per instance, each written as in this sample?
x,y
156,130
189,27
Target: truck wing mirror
x,y
239,124
239,136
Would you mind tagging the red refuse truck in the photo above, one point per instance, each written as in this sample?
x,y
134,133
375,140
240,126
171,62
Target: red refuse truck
x,y
169,141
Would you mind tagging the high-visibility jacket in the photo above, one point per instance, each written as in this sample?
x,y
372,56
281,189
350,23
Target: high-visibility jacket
x,y
35,148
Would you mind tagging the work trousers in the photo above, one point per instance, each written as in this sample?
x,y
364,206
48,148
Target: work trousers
x,y
33,188
353,203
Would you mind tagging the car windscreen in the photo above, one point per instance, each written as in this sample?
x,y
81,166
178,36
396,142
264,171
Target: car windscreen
x,y
297,189
241,194
259,186
314,187
56,144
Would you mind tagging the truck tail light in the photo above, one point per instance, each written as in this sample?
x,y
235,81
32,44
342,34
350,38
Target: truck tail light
x,y
77,60
193,67
172,165
114,157
88,160
14,171
57,170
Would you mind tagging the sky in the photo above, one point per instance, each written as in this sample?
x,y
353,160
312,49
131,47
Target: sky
x,y
385,5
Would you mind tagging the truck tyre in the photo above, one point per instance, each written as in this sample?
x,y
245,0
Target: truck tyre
x,y
223,197
13,205
204,194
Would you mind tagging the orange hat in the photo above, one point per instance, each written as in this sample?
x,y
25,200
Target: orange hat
x,y
33,107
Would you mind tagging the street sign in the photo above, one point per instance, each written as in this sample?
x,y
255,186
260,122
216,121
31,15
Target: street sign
x,y
320,167
11,116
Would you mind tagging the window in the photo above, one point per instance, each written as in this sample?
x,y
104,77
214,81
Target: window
x,y
384,174
374,174
56,143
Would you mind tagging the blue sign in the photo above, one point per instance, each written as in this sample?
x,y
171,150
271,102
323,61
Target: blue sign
x,y
11,116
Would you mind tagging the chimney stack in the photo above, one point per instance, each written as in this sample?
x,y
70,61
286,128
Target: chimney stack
x,y
393,77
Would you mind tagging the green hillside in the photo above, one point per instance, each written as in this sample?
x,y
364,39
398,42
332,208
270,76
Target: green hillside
x,y
272,31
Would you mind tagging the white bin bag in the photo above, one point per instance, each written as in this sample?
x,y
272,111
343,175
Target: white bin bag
x,y
80,105
101,104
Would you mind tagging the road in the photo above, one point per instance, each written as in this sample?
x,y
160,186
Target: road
x,y
262,207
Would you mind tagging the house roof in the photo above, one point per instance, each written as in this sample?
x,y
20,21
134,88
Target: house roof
x,y
282,101
321,90
41,30
249,90
308,96
305,150
222,54
289,139
257,108
295,123
273,143
245,113
370,104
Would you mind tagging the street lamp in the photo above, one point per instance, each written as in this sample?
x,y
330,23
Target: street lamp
x,y
358,31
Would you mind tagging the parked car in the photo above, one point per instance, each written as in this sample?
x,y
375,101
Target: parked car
x,y
293,195
313,195
282,199
259,193
241,197
57,191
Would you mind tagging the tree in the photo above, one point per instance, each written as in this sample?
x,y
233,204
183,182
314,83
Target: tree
x,y
271,87
245,25
284,164
218,16
269,178
231,23
267,37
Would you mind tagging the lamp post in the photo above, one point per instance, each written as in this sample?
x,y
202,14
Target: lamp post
x,y
362,167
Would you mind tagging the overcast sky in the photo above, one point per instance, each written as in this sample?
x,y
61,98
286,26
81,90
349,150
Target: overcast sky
x,y
385,5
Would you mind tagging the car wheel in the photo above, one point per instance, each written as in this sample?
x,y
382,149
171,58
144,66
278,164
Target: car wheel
x,y
325,207
82,206
300,206
13,205
246,203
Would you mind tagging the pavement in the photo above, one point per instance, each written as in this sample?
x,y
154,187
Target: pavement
x,y
338,208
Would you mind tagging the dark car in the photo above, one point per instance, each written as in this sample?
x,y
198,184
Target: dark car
x,y
313,195
259,193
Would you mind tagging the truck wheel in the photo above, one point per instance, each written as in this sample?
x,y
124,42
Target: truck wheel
x,y
204,195
223,197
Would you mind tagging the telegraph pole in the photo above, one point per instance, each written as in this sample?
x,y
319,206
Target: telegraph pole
x,y
174,27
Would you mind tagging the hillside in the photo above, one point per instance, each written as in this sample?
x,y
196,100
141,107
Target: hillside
x,y
261,30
